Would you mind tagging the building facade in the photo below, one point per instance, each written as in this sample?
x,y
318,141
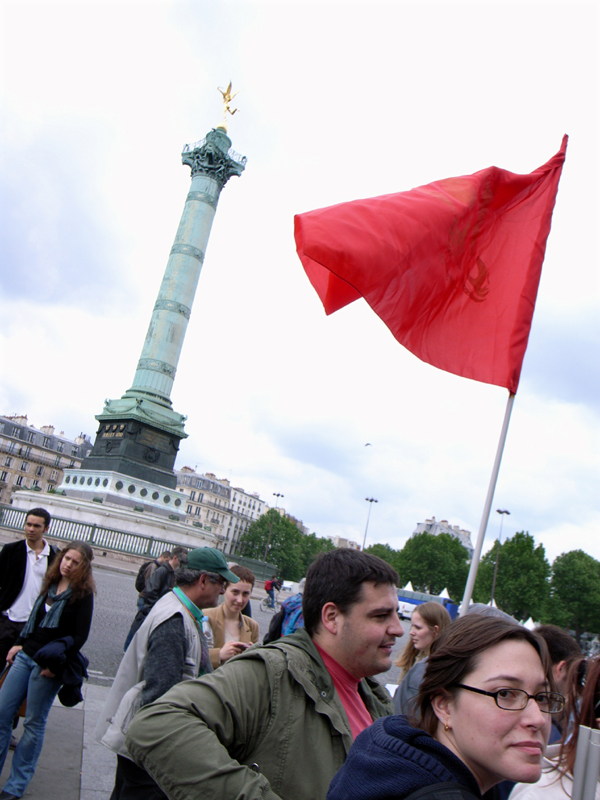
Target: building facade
x,y
35,458
434,527
215,506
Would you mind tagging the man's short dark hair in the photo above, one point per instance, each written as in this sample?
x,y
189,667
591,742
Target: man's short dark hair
x,y
39,512
166,554
561,645
337,577
180,553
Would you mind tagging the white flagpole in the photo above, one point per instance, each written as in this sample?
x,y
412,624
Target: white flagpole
x,y
486,509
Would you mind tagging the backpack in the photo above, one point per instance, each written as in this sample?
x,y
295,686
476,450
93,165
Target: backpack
x,y
269,585
442,791
140,579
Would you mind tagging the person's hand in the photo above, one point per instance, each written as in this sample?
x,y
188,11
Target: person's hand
x,y
231,649
12,653
45,673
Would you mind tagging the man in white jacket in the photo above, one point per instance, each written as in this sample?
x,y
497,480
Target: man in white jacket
x,y
169,647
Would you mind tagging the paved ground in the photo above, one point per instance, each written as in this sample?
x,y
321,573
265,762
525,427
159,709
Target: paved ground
x,y
72,765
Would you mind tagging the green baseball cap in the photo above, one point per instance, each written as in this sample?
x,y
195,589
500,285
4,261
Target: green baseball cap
x,y
208,559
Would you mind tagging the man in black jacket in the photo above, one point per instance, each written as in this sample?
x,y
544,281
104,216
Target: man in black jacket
x,y
160,582
23,566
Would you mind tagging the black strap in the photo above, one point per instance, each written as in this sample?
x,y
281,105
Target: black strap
x,y
442,791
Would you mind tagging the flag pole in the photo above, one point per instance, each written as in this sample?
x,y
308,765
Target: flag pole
x,y
486,509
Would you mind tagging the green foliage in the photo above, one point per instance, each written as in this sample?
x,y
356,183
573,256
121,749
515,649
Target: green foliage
x,y
574,601
286,546
522,586
385,552
311,547
433,563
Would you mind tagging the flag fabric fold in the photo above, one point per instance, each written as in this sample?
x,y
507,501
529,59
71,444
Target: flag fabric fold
x,y
452,268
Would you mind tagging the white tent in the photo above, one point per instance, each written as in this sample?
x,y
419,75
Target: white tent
x,y
444,593
409,587
530,624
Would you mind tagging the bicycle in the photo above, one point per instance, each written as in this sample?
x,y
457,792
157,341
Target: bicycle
x,y
265,605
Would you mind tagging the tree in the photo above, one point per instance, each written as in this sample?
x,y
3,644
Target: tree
x,y
434,563
574,601
311,546
387,553
280,539
522,586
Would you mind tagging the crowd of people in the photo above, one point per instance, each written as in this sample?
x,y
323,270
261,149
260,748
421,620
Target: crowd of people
x,y
199,709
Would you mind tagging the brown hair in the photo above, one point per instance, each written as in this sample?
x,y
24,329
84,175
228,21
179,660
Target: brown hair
x,y
561,645
456,655
243,573
583,706
432,614
82,580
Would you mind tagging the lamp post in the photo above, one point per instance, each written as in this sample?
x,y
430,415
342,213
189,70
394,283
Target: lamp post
x,y
277,495
502,512
370,501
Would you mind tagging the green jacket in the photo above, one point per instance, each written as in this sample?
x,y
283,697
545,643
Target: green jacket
x,y
268,724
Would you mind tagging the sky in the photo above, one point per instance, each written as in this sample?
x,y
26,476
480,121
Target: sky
x,y
338,101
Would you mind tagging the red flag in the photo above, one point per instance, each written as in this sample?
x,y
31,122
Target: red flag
x,y
452,268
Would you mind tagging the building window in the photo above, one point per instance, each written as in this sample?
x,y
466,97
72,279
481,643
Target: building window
x,y
8,461
73,451
192,495
12,447
35,483
60,447
57,461
30,436
189,510
24,466
4,476
27,452
19,480
46,441
198,511
53,475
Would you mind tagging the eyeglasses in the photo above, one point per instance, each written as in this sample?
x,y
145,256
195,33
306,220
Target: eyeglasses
x,y
517,699
216,578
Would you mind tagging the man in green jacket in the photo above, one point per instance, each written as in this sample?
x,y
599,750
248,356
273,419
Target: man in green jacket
x,y
278,721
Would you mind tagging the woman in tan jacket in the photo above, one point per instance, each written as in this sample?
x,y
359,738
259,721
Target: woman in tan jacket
x,y
232,631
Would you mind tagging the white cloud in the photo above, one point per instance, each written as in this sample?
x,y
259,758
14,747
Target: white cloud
x,y
337,102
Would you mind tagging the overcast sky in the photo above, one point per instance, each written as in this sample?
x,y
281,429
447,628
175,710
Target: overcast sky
x,y
338,101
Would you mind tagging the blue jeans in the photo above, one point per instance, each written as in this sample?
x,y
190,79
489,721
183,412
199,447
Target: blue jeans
x,y
24,680
271,593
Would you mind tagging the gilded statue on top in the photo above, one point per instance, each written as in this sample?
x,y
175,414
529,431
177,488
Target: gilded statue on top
x,y
227,98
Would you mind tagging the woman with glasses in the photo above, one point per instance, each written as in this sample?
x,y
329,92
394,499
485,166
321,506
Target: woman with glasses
x,y
484,717
583,708
232,631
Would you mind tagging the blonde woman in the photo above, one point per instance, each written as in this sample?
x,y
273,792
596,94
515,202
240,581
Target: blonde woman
x,y
427,622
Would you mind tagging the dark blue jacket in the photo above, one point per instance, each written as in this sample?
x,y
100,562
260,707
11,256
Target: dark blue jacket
x,y
390,759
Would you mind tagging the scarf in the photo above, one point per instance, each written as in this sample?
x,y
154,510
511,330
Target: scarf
x,y
196,615
52,617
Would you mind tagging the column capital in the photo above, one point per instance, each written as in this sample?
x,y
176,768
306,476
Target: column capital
x,y
214,157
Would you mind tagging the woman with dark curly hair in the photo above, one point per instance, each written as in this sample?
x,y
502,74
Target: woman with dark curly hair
x,y
59,623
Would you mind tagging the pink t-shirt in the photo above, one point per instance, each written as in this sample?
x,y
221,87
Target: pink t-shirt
x,y
346,685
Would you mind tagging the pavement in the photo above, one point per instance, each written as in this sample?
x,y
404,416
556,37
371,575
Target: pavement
x,y
73,766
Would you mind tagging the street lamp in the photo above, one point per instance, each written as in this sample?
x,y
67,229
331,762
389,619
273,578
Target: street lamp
x,y
370,501
502,512
277,495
